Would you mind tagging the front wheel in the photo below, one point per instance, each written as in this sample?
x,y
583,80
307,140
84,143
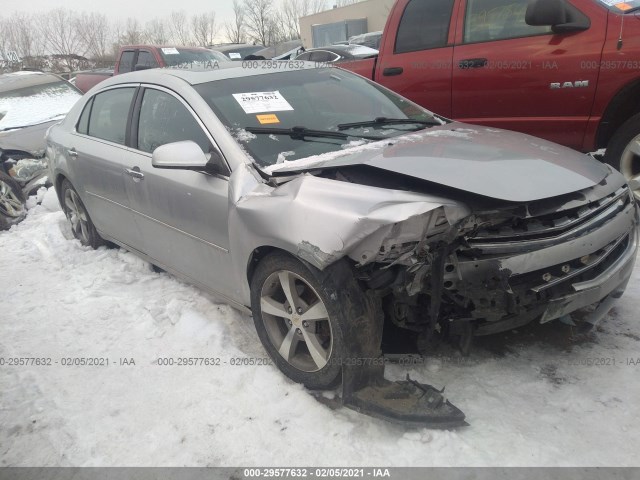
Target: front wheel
x,y
12,202
81,224
302,316
623,153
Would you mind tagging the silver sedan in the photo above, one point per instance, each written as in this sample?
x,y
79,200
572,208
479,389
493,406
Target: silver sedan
x,y
331,209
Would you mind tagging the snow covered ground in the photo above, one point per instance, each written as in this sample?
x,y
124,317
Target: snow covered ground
x,y
534,397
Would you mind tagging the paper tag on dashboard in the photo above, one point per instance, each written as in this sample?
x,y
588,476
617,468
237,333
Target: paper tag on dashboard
x,y
257,102
235,56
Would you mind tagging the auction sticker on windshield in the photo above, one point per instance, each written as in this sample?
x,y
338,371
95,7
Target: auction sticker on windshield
x,y
269,118
170,51
261,102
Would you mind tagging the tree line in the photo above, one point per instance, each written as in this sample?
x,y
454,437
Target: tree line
x,y
67,35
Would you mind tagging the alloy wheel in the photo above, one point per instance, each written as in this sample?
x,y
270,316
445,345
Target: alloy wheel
x,y
10,204
296,321
77,216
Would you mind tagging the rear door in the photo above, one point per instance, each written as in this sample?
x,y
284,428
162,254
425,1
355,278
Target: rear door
x,y
98,160
415,60
512,75
182,215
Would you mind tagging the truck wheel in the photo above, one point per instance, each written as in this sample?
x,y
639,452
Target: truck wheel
x,y
301,316
12,202
81,224
623,153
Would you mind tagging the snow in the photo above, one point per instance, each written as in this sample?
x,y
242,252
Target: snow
x,y
243,135
533,397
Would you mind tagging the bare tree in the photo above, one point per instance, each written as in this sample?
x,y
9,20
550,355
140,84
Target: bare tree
x,y
204,28
95,31
132,33
292,10
179,27
234,30
157,32
259,21
60,29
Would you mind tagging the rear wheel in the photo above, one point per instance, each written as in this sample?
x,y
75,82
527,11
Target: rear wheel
x,y
301,315
623,153
81,224
12,202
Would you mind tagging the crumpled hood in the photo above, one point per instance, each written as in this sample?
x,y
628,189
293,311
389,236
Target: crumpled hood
x,y
494,163
29,139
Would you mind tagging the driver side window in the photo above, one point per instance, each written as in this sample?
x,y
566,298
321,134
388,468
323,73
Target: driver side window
x,y
164,119
489,20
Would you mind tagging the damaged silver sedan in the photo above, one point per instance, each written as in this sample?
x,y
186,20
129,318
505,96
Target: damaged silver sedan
x,y
332,208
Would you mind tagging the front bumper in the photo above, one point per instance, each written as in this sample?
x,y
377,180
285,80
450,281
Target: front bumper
x,y
510,283
612,281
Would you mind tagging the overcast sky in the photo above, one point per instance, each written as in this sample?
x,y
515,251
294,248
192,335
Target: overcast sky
x,y
121,9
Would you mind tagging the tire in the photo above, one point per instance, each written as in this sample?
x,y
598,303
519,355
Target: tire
x,y
623,153
12,202
81,225
313,339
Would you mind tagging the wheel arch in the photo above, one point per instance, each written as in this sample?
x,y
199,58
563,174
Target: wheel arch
x,y
624,105
258,254
60,177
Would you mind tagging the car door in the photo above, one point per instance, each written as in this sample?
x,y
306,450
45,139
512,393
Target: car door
x,y
97,161
512,75
415,61
182,215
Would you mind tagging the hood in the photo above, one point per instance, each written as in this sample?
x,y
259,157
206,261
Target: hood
x,y
485,161
27,139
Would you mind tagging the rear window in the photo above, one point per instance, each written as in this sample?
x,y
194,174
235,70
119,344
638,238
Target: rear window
x,y
109,114
424,25
36,104
126,61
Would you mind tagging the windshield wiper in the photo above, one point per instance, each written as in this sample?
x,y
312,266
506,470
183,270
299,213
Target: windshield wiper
x,y
388,121
300,133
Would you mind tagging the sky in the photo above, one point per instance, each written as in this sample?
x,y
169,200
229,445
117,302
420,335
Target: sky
x,y
121,9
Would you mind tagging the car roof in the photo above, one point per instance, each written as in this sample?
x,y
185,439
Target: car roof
x,y
16,80
198,75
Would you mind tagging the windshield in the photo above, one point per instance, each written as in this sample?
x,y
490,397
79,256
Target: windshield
x,y
317,99
36,104
622,6
176,56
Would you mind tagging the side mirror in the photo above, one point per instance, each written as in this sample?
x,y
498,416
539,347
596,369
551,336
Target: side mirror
x,y
187,155
557,14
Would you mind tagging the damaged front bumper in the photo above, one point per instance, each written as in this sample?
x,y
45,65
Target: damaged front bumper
x,y
510,281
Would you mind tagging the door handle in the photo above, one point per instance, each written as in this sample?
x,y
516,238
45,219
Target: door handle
x,y
134,172
72,152
392,71
472,63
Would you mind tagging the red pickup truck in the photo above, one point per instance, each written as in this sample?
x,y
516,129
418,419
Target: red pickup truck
x,y
564,70
140,57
